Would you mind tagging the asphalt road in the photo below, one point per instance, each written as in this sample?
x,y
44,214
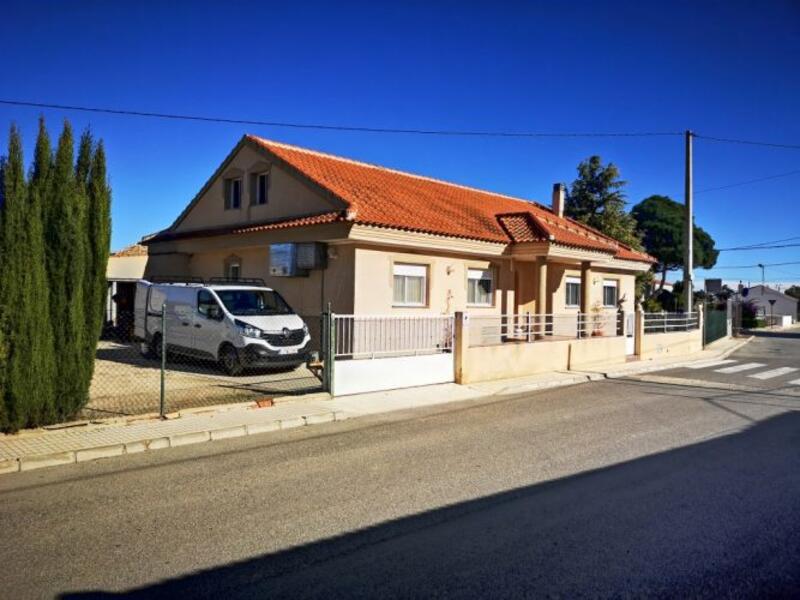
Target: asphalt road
x,y
614,488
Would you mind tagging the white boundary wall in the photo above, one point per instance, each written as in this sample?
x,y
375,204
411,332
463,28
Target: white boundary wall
x,y
373,375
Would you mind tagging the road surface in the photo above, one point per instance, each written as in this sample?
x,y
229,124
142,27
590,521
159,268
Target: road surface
x,y
687,485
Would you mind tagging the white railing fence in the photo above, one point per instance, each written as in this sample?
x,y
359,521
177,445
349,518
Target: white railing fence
x,y
666,322
371,336
490,330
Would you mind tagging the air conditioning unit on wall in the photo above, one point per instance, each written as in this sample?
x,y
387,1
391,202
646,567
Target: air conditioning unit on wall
x,y
296,260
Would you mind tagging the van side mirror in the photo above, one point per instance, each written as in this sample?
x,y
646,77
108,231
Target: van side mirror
x,y
214,312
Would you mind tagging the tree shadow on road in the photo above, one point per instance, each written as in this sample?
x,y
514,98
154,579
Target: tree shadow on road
x,y
716,518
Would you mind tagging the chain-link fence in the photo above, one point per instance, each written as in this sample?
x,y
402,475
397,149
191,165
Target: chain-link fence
x,y
129,379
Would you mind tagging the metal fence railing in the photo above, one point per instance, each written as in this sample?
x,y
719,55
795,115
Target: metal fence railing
x,y
490,330
129,375
372,336
666,322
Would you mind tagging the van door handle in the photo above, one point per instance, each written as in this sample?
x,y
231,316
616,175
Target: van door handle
x,y
198,325
185,324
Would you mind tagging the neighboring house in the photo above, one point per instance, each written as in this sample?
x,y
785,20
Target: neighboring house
x,y
124,269
389,242
784,305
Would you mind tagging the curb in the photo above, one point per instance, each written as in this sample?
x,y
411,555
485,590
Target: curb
x,y
41,461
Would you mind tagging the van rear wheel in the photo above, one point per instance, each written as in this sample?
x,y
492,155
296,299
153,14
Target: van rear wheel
x,y
229,360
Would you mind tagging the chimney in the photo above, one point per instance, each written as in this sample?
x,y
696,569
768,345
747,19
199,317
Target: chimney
x,y
558,199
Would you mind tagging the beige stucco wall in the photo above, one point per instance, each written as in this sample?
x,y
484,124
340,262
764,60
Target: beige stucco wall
x,y
288,195
121,268
592,352
447,282
682,343
504,361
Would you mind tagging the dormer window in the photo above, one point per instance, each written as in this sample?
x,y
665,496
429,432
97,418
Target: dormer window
x,y
233,193
261,189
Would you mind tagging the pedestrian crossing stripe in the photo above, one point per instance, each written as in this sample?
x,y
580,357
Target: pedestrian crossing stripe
x,y
738,368
707,364
773,373
795,382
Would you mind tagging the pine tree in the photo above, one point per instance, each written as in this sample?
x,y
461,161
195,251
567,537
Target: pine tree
x,y
99,239
28,392
596,199
66,260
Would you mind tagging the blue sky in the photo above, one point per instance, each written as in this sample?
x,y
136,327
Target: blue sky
x,y
726,69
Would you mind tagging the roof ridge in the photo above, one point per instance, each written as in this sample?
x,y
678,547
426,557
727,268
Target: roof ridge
x,y
397,171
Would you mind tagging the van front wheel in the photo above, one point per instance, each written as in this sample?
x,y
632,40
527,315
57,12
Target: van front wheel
x,y
229,360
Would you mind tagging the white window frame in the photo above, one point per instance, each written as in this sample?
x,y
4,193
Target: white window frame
x,y
475,274
258,200
408,271
568,282
611,283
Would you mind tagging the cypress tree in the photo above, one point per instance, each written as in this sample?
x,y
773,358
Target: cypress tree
x,y
41,332
3,343
99,240
82,168
27,394
66,258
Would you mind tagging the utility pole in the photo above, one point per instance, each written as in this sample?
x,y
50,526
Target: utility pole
x,y
763,282
688,241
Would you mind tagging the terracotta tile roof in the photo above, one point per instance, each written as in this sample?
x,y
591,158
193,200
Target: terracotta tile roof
x,y
132,250
388,198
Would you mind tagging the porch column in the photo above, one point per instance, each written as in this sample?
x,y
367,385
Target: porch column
x,y
541,297
586,296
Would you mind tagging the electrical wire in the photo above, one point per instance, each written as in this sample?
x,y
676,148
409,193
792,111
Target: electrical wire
x,y
749,181
783,264
761,244
747,142
354,128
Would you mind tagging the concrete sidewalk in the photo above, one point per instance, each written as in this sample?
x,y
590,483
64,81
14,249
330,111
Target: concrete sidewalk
x,y
35,449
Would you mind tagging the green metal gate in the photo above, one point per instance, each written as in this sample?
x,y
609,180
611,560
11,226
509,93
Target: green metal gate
x,y
716,324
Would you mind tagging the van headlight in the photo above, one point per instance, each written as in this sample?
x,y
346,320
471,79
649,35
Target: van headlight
x,y
248,330
305,330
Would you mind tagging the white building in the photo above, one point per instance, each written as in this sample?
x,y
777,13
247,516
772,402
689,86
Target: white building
x,y
784,306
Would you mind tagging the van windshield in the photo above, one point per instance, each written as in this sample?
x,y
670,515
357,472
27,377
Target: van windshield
x,y
254,302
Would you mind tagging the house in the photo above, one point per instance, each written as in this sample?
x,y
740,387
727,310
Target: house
x,y
374,240
784,306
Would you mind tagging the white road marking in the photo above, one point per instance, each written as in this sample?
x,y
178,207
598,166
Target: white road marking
x,y
737,368
773,373
710,363
795,382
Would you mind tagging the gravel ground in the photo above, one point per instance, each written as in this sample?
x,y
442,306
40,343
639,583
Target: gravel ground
x,y
126,383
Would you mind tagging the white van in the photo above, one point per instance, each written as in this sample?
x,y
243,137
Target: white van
x,y
236,325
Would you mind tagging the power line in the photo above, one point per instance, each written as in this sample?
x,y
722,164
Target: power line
x,y
749,181
783,264
747,142
355,128
761,244
775,247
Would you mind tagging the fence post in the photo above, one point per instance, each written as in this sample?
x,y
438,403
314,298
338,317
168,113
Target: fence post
x,y
528,325
460,345
638,332
161,402
330,358
701,323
